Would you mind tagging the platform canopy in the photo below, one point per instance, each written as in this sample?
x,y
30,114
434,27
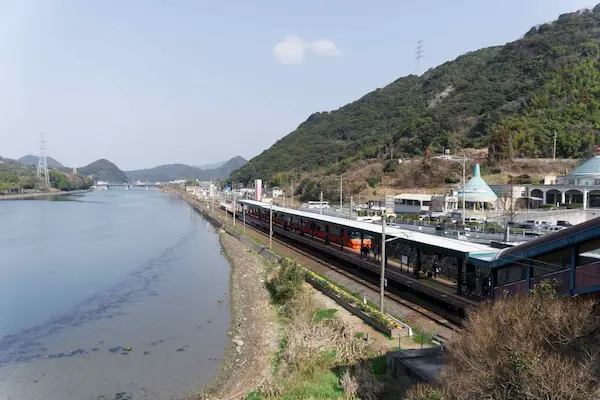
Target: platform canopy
x,y
440,244
476,190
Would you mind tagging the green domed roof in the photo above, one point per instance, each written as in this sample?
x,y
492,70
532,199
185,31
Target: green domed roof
x,y
590,167
477,190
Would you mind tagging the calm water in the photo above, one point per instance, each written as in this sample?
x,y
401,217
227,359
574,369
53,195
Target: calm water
x,y
82,277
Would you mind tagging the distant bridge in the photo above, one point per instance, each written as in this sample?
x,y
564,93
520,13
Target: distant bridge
x,y
131,185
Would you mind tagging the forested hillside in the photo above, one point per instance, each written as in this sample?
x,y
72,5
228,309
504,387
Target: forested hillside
x,y
104,170
509,98
33,160
16,177
181,171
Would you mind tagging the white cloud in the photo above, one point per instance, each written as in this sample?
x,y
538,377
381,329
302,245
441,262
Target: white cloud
x,y
325,47
292,49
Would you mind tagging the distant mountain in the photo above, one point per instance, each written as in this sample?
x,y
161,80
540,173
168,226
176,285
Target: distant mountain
x,y
103,170
226,169
9,161
181,171
33,160
166,173
210,166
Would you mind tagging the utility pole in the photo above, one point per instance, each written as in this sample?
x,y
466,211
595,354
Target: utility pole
x,y
271,226
292,194
463,162
554,151
244,214
212,192
42,170
464,193
234,208
382,280
75,169
350,213
321,205
341,193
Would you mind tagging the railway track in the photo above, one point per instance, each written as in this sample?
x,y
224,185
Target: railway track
x,y
360,278
447,322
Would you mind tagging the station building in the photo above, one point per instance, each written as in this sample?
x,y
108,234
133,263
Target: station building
x,y
579,189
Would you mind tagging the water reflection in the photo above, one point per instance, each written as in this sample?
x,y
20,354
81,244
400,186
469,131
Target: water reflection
x,y
121,295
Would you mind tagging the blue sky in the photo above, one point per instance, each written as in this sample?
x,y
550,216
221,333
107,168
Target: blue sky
x,y
147,82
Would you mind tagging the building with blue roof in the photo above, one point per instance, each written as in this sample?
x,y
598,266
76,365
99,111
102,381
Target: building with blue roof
x,y
477,194
578,189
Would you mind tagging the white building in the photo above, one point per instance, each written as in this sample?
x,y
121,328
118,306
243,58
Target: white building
x,y
276,192
409,203
579,189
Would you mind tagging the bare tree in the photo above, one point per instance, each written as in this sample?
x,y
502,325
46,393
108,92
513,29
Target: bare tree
x,y
507,204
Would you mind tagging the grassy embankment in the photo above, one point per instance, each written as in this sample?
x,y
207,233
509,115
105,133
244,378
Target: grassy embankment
x,y
319,356
420,336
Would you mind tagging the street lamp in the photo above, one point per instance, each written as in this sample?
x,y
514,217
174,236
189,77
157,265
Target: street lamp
x,y
271,226
463,162
382,278
234,209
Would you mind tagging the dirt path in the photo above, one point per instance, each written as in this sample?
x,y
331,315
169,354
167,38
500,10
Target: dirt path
x,y
253,331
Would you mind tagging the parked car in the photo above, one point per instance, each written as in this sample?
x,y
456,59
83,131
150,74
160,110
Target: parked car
x,y
553,229
566,224
526,225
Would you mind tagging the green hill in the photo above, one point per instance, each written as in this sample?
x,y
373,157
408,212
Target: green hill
x,y
33,160
164,173
182,171
16,177
510,99
104,170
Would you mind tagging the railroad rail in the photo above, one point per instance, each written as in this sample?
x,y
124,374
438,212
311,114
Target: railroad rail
x,y
445,320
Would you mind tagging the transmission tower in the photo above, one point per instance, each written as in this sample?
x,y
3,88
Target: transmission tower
x,y
420,53
42,170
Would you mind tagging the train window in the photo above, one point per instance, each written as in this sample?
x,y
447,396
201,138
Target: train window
x,y
335,231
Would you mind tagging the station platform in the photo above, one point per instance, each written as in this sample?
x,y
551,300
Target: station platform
x,y
439,289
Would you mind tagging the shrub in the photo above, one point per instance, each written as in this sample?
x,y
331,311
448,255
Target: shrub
x,y
574,206
373,182
285,285
530,347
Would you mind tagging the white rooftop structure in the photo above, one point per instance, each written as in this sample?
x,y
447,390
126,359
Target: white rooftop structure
x,y
454,245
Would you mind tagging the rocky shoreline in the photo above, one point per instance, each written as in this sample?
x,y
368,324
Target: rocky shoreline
x,y
253,330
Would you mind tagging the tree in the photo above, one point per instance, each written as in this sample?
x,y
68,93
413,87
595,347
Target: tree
x,y
540,346
191,182
507,203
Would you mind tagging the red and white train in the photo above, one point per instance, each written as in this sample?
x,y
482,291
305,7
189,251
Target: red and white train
x,y
309,228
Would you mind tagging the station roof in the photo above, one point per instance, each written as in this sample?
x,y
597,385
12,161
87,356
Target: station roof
x,y
414,196
419,239
580,233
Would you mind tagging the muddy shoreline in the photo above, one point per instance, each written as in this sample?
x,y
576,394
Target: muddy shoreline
x,y
253,329
27,196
